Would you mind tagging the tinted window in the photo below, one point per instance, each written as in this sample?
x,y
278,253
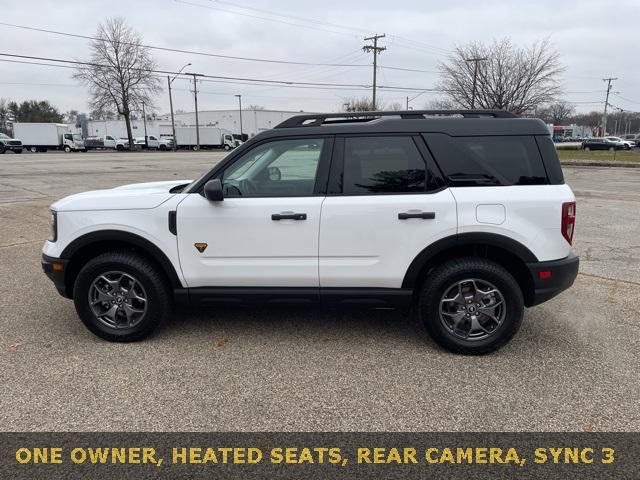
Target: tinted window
x,y
281,168
382,165
488,160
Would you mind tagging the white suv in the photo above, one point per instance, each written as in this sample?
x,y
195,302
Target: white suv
x,y
462,215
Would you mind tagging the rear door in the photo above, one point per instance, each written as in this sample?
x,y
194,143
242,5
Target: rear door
x,y
386,202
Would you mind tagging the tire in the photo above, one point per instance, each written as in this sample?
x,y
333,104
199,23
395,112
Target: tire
x,y
126,323
33,149
2,150
194,148
67,149
227,147
18,151
163,147
119,148
489,335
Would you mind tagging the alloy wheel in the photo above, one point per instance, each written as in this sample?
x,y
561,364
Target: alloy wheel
x,y
118,300
472,309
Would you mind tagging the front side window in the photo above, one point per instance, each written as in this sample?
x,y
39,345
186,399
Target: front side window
x,y
374,165
280,168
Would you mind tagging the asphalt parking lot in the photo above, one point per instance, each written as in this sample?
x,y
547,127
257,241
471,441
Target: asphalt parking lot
x,y
573,366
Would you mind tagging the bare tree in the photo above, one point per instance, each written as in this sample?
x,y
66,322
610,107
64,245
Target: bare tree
x,y
120,76
557,113
508,77
362,104
255,107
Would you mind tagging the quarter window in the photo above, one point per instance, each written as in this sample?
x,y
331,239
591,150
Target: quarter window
x,y
374,165
488,160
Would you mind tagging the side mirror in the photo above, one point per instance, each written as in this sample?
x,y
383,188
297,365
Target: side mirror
x,y
213,190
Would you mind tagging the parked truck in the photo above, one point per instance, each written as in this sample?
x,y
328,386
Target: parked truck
x,y
106,142
153,142
210,137
40,137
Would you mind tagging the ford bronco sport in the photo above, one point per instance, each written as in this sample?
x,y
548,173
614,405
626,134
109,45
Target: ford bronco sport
x,y
462,215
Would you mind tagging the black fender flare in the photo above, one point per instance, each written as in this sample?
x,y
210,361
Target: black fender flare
x,y
124,237
475,238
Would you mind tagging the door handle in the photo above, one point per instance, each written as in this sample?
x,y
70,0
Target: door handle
x,y
288,216
422,215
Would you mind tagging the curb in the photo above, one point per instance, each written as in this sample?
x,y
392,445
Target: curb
x,y
601,164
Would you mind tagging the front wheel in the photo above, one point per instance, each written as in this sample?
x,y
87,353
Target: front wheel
x,y
471,306
121,296
227,147
67,149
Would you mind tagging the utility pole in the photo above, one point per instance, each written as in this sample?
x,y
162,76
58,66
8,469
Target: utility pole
x,y
475,61
195,99
173,122
606,104
375,49
240,111
144,121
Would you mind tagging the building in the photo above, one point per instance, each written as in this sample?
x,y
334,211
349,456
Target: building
x,y
253,122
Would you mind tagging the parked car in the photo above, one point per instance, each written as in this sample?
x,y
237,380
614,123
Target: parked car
x,y
626,144
8,144
601,144
466,219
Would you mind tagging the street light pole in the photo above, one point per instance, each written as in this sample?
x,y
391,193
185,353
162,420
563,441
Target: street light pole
x,y
173,122
240,111
144,121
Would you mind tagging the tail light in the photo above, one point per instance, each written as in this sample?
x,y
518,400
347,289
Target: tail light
x,y
568,220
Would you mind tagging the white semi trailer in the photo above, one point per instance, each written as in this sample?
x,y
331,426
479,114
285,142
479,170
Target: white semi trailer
x,y
210,137
40,137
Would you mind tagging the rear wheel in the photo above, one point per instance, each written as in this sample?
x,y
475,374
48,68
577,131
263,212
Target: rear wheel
x,y
471,306
33,149
121,297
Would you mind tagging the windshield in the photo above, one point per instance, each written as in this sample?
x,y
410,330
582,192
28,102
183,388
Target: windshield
x,y
2,135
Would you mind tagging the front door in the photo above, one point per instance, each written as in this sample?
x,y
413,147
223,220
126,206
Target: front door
x,y
265,231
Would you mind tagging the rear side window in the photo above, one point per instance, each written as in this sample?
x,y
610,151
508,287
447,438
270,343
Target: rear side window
x,y
374,165
488,160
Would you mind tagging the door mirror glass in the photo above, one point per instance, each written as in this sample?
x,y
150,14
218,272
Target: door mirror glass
x,y
274,173
213,190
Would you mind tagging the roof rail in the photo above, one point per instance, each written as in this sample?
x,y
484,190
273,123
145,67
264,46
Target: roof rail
x,y
317,119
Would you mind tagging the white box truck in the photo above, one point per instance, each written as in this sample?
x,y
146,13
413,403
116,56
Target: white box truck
x,y
40,137
210,137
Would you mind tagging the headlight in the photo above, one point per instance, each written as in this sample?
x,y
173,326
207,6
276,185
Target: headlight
x,y
53,236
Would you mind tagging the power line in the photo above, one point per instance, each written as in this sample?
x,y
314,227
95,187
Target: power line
x,y
191,52
255,81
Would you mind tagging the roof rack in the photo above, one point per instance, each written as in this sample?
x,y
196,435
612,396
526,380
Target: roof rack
x,y
317,119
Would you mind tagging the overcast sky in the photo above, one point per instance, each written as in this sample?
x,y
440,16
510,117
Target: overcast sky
x,y
595,40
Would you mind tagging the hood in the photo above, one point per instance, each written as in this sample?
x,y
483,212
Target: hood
x,y
127,197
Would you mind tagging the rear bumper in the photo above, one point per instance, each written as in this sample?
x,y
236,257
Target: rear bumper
x,y
562,275
56,275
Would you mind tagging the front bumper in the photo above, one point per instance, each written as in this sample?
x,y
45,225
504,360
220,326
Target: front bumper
x,y
55,269
551,278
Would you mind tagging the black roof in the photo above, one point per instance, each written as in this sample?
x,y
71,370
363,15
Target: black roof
x,y
451,122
